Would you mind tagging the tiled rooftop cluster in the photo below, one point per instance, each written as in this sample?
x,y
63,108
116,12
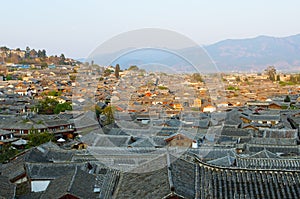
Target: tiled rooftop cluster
x,y
193,139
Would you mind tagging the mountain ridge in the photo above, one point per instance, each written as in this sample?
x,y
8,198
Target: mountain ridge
x,y
249,54
256,53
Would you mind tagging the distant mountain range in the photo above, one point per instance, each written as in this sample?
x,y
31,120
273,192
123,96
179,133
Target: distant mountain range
x,y
253,54
257,53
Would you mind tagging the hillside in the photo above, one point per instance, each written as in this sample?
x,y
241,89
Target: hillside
x,y
32,56
253,54
257,53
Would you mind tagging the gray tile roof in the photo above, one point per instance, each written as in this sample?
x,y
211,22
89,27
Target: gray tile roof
x,y
76,183
15,168
183,177
114,131
94,139
155,141
203,123
268,160
51,170
265,117
264,154
233,117
235,132
4,132
211,153
226,161
7,189
275,148
56,122
280,133
31,195
143,142
224,182
177,179
42,154
23,124
84,120
273,141
132,185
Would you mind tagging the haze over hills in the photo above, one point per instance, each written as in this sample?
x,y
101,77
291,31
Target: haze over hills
x,y
257,53
253,54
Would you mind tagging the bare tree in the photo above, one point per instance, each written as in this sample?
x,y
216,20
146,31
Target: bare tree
x,y
271,72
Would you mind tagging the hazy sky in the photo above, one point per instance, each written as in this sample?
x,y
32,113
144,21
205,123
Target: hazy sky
x,y
77,27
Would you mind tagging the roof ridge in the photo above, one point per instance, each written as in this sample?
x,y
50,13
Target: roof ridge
x,y
228,158
266,152
72,180
197,181
171,184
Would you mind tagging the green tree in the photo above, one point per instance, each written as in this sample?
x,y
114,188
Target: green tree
x,y
109,114
72,77
98,111
36,139
133,68
278,78
62,107
62,59
9,77
232,88
197,77
287,99
54,93
27,52
107,72
44,55
33,53
50,106
162,88
4,48
44,65
6,153
47,106
295,78
39,54
117,71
